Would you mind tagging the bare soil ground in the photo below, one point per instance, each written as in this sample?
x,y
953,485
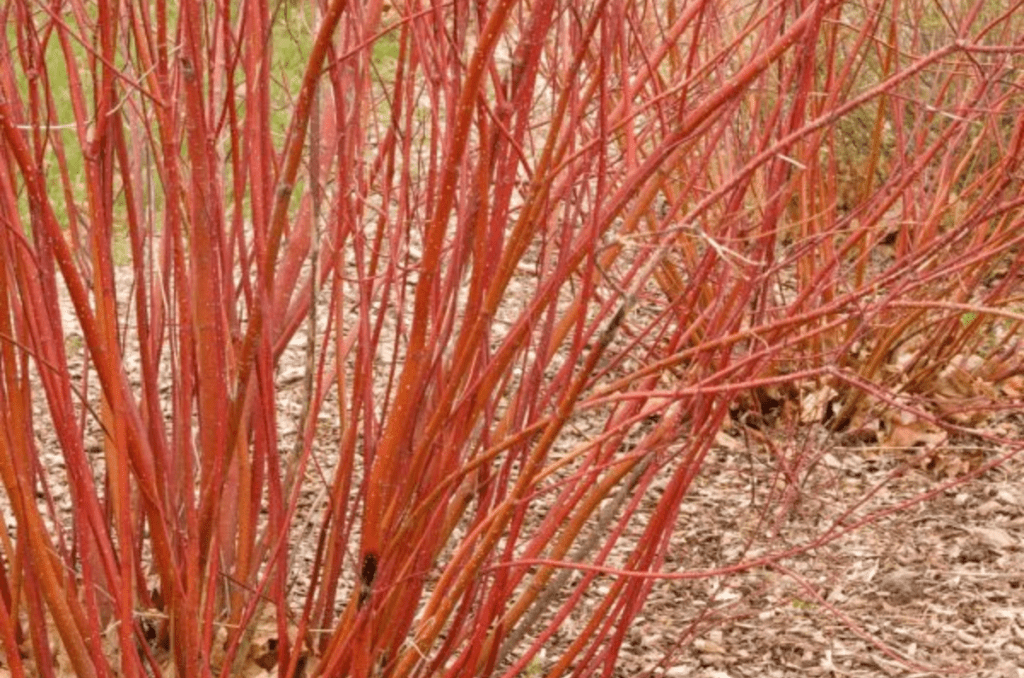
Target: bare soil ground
x,y
936,587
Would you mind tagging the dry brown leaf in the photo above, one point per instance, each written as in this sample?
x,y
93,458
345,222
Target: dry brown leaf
x,y
814,404
904,430
995,537
728,442
953,463
1012,387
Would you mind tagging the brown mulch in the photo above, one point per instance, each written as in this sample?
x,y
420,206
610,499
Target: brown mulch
x,y
935,588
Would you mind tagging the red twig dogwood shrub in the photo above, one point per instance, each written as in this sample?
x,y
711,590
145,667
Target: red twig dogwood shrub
x,y
480,223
